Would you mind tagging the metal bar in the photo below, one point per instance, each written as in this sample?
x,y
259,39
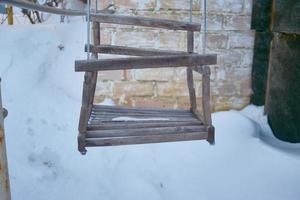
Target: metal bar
x,y
58,11
4,178
191,11
205,26
88,29
10,15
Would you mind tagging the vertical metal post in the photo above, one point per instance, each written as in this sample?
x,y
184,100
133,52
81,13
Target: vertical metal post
x,y
191,11
4,180
205,26
10,15
88,29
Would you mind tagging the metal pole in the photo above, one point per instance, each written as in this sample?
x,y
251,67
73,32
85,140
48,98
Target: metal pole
x,y
191,11
88,29
205,26
10,15
4,179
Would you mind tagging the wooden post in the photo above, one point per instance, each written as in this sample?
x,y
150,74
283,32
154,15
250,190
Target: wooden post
x,y
206,104
189,71
10,15
89,86
4,179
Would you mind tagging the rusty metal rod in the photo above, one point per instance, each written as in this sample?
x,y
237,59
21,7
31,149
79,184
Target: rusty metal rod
x,y
41,8
4,178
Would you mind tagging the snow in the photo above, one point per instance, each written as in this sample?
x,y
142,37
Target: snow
x,y
42,94
125,118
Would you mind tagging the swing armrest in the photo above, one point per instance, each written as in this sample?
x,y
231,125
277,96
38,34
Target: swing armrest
x,y
190,60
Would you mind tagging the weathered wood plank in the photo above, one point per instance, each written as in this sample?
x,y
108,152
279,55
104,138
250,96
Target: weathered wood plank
x,y
145,62
189,72
130,109
132,51
133,112
138,113
152,115
99,120
140,124
145,131
96,41
93,142
206,96
144,21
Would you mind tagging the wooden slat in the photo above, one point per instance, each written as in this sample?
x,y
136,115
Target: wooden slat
x,y
145,131
189,72
132,51
99,120
140,124
137,115
137,110
93,142
128,112
206,96
96,41
144,21
145,62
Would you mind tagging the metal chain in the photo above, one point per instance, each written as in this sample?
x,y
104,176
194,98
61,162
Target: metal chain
x,y
204,23
88,29
205,27
191,11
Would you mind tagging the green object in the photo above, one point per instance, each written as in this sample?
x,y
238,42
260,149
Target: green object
x,y
261,20
283,105
260,67
261,15
286,16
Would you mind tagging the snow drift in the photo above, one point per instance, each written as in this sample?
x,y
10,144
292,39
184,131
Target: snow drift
x,y
43,93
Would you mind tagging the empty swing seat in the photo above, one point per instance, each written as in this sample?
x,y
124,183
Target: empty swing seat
x,y
101,125
109,126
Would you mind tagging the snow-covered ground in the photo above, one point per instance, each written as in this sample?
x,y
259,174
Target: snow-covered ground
x,y
43,93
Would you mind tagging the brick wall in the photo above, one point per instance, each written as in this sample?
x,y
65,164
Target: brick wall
x,y
229,36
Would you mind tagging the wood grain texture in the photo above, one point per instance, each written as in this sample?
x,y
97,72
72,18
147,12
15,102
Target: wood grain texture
x,y
119,109
115,141
145,62
189,72
131,51
145,131
139,124
89,86
144,21
206,96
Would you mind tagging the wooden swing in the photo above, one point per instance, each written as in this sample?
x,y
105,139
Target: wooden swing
x,y
107,125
